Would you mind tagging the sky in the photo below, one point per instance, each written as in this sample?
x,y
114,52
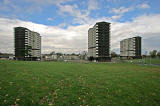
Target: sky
x,y
63,24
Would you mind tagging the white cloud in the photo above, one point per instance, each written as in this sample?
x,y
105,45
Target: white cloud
x,y
52,37
146,26
50,19
62,25
7,5
92,4
143,6
46,2
115,17
76,37
34,5
121,10
71,9
81,16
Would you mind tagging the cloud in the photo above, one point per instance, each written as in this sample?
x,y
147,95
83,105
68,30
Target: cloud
x,y
53,38
115,17
92,5
29,6
40,4
62,25
80,16
75,38
50,19
121,10
148,44
143,6
71,9
145,26
8,6
46,2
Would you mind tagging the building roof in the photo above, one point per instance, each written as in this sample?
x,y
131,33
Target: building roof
x,y
27,29
103,22
21,27
132,37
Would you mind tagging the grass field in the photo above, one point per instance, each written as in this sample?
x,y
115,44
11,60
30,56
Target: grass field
x,y
60,83
146,61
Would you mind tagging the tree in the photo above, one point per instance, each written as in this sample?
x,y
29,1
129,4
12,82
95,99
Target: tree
x,y
91,58
113,54
52,53
73,54
158,54
83,55
153,53
59,55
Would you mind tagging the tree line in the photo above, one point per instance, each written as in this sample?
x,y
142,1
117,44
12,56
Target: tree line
x,y
152,54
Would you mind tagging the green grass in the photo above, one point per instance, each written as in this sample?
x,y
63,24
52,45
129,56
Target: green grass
x,y
151,61
60,83
146,61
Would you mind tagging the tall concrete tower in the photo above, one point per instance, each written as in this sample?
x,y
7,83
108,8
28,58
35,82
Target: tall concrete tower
x,y
27,44
131,47
99,42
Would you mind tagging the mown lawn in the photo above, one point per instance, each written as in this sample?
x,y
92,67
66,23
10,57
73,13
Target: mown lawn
x,y
152,61
60,83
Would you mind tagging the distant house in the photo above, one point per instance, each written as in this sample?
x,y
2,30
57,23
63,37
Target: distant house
x,y
71,57
49,57
62,57
11,57
6,56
